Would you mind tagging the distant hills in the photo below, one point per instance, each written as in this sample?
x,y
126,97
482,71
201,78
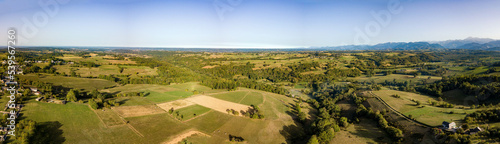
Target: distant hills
x,y
458,43
468,43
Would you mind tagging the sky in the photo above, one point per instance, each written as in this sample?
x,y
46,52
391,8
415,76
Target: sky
x,y
244,23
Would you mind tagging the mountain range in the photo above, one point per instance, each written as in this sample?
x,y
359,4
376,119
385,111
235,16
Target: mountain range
x,y
471,43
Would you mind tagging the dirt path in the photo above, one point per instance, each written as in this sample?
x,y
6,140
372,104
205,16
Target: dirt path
x,y
196,116
105,125
180,137
244,97
135,130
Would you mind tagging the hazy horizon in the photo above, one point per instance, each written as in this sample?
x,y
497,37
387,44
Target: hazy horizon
x,y
245,23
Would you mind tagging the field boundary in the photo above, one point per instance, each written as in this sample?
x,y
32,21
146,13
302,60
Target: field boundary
x,y
100,119
131,127
135,130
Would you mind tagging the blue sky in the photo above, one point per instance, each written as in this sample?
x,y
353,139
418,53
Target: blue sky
x,y
245,23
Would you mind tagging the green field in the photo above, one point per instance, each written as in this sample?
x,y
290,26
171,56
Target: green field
x,y
195,86
244,96
85,84
139,88
379,78
235,97
95,58
428,114
161,97
75,123
157,128
106,126
132,101
364,132
161,93
134,71
253,98
158,97
109,117
463,70
192,111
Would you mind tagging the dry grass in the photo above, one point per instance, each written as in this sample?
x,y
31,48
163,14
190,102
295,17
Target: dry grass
x,y
178,138
216,104
175,104
134,111
209,66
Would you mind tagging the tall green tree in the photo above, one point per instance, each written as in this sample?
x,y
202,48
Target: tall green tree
x,y
313,140
93,104
72,95
326,136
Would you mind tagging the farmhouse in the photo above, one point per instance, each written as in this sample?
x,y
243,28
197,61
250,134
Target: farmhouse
x,y
450,126
33,89
37,93
475,130
39,98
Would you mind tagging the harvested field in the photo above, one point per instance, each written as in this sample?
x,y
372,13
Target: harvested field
x,y
134,111
178,138
209,66
216,104
175,104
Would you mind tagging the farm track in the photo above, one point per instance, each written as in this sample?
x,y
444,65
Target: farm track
x,y
131,127
399,113
135,130
100,119
197,116
244,97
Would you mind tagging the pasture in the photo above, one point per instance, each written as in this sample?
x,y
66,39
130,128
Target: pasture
x,y
109,117
379,78
139,110
132,101
242,97
425,113
85,84
217,104
146,119
134,71
96,59
192,111
366,131
75,123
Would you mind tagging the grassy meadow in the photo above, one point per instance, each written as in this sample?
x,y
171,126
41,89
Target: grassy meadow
x,y
85,84
425,113
79,123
